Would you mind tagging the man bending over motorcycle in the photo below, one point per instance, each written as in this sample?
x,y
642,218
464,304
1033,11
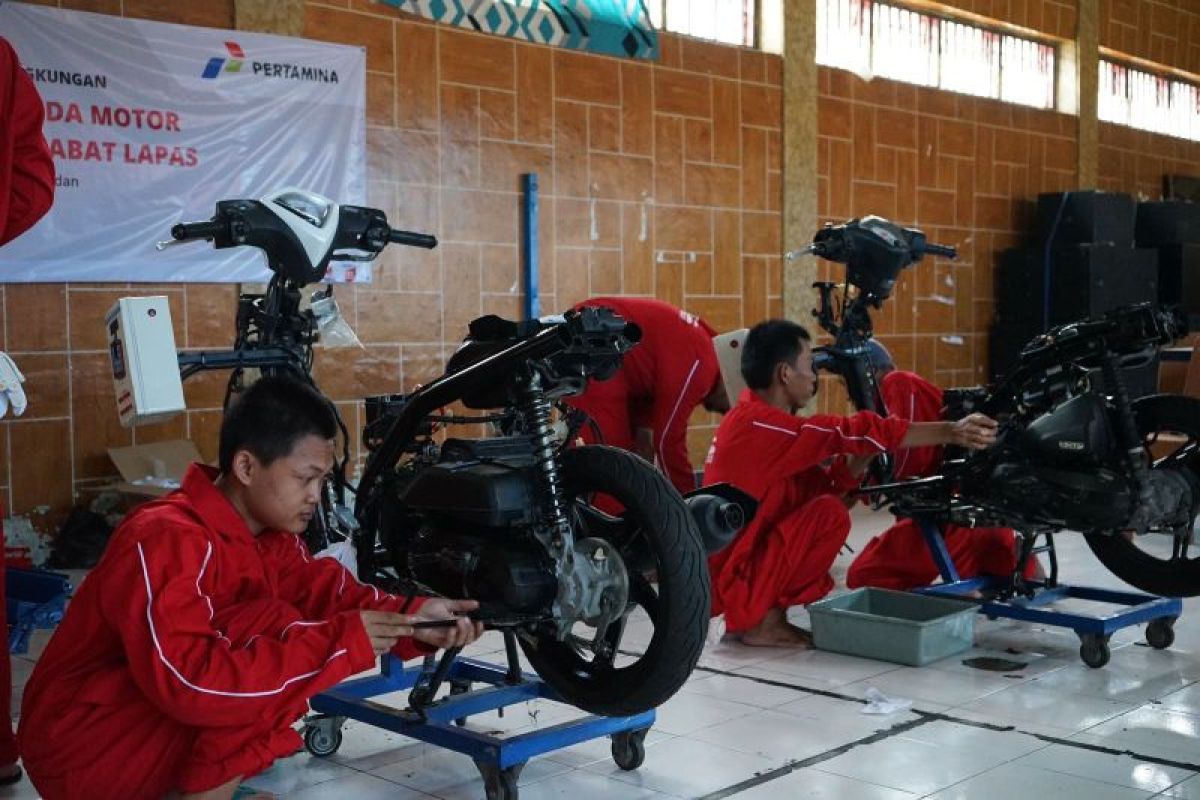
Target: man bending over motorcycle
x,y
899,558
194,645
782,558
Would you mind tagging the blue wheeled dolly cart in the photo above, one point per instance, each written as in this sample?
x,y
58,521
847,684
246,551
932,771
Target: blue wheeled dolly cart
x,y
442,722
1020,599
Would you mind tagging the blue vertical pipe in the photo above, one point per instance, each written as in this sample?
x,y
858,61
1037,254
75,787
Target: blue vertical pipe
x,y
529,245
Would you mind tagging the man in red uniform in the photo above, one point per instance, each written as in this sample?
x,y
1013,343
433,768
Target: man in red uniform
x,y
782,557
26,193
899,558
646,406
26,171
194,645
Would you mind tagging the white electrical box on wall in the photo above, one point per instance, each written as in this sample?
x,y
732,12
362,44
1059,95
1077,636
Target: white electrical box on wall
x,y
141,345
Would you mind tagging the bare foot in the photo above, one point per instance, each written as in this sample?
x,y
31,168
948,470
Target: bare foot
x,y
776,631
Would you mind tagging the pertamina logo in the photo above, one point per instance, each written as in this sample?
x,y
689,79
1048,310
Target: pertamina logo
x,y
213,68
266,69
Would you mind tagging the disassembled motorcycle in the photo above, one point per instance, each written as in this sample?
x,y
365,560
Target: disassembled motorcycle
x,y
1074,451
511,520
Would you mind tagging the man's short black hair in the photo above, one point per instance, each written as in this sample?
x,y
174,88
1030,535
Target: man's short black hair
x,y
271,416
767,345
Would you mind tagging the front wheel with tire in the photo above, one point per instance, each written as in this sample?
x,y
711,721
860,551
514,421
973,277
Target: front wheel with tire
x,y
1161,561
657,538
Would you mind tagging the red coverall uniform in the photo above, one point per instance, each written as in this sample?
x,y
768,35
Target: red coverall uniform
x,y
26,170
659,385
782,558
188,652
899,558
26,193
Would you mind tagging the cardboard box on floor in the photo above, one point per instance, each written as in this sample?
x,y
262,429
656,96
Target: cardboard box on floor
x,y
152,470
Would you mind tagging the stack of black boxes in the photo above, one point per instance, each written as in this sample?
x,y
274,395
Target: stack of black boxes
x,y
1172,227
1081,263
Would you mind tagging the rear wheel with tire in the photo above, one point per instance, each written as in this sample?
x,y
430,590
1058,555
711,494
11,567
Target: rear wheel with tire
x,y
1161,561
668,579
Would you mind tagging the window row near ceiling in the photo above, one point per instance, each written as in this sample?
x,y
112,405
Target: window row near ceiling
x,y
876,39
885,41
1140,99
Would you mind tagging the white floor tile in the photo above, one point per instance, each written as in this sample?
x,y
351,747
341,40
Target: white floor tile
x,y
741,689
813,784
1184,790
786,737
358,786
954,736
685,713
1151,730
1011,781
941,687
583,785
687,768
1026,703
1121,770
910,765
444,773
833,668
297,772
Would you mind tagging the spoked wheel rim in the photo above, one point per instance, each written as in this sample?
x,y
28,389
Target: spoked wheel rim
x,y
1162,561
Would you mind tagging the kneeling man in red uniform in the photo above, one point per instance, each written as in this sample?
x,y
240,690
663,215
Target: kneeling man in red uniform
x,y
794,467
899,558
194,645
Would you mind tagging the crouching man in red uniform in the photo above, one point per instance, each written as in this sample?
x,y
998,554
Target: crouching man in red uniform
x,y
194,645
899,558
782,558
645,408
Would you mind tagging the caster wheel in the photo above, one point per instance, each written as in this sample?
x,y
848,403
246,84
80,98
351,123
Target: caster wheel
x,y
629,749
502,784
1094,650
322,739
1160,633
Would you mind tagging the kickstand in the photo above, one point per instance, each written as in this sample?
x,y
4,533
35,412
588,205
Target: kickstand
x,y
427,685
514,662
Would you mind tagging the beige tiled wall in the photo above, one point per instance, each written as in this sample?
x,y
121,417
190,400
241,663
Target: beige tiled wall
x,y
656,179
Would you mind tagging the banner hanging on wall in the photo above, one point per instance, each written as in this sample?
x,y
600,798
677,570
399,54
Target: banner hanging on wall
x,y
150,124
609,27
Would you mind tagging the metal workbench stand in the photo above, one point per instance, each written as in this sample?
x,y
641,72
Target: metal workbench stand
x,y
1028,601
442,722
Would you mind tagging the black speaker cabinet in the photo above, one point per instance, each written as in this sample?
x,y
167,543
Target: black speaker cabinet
x,y
1179,276
1086,218
1083,281
1005,342
1167,222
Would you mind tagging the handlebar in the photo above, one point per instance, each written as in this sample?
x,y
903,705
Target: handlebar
x,y
941,250
187,231
425,240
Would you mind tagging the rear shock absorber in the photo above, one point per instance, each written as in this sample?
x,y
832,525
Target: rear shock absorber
x,y
536,409
1131,443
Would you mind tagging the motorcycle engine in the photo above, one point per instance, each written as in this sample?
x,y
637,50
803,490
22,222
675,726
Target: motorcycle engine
x,y
507,574
1057,470
1083,500
1075,434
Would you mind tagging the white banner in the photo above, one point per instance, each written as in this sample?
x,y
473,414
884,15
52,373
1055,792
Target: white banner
x,y
150,124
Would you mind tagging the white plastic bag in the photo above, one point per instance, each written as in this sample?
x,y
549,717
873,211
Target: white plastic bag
x,y
332,329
